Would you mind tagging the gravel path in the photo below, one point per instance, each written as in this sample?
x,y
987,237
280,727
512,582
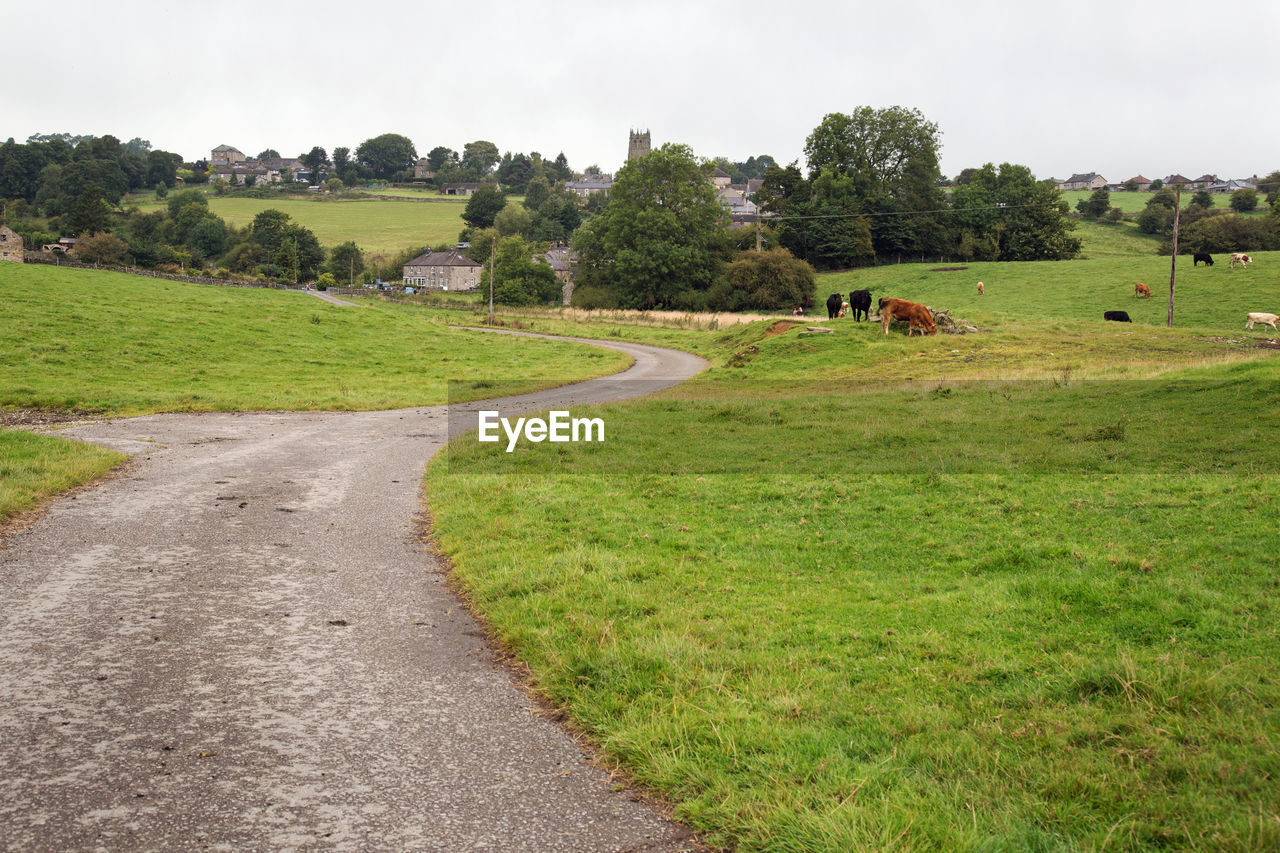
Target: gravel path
x,y
241,644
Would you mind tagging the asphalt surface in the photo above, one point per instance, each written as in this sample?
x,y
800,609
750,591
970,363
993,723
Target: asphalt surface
x,y
241,643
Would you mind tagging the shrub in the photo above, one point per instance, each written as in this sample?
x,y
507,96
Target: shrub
x,y
1243,201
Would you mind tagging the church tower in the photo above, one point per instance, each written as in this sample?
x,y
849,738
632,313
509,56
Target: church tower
x,y
638,146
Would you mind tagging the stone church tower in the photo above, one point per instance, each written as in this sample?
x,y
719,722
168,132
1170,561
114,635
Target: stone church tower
x,y
639,144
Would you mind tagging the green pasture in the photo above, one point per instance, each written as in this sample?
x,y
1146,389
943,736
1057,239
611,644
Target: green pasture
x,y
383,226
125,345
1136,202
1012,590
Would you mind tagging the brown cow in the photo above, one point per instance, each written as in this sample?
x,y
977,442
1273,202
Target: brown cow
x,y
981,289
917,316
1239,258
1141,289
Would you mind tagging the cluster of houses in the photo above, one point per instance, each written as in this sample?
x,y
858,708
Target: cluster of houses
x,y
231,165
1094,181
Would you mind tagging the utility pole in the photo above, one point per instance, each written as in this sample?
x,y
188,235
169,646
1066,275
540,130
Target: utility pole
x,y
1173,263
493,267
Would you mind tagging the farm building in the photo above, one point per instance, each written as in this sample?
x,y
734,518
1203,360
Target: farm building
x,y
10,245
1142,183
442,271
459,189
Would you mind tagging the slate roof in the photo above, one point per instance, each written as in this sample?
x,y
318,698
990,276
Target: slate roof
x,y
441,259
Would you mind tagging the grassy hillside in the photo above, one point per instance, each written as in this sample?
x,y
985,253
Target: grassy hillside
x,y
376,225
123,344
834,597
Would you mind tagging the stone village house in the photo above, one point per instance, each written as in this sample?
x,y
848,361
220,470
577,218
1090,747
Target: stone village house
x,y
442,271
10,245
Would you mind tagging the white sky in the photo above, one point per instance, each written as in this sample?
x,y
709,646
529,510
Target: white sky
x,y
1119,87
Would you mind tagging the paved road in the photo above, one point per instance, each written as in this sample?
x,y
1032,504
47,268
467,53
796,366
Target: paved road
x,y
241,644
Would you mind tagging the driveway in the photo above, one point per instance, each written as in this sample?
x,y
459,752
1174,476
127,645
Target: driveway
x,y
241,643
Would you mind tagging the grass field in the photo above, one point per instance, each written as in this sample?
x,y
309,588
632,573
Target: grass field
x,y
378,226
124,345
1137,202
834,597
1011,590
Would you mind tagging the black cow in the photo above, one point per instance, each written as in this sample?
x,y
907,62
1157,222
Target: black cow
x,y
1118,316
860,304
834,301
1201,256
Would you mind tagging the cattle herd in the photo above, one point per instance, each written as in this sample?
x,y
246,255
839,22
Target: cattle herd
x,y
921,318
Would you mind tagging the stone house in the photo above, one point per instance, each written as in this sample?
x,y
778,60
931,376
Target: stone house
x,y
1084,181
226,155
442,271
1176,180
562,259
1142,183
10,245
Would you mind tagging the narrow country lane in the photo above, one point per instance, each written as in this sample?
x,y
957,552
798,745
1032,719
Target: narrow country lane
x,y
240,643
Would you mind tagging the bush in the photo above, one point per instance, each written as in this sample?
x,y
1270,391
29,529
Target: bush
x,y
1243,201
589,297
764,281
325,281
1229,233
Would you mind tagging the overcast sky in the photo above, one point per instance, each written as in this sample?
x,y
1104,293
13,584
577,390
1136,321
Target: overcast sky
x,y
1119,87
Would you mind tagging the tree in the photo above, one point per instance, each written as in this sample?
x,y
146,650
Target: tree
x,y
479,157
386,155
1157,185
269,154
346,261
316,160
440,155
343,165
656,243
1005,214
513,219
1244,200
765,281
90,214
521,280
100,248
1096,205
1203,198
484,206
891,156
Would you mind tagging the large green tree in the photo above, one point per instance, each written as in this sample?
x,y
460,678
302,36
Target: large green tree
x,y
386,155
520,279
1005,214
483,206
346,262
316,160
479,157
659,241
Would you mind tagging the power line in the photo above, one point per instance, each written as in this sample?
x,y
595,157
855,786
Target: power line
x,y
779,217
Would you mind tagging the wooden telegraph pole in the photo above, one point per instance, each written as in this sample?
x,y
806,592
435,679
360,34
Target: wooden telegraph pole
x,y
1173,264
493,266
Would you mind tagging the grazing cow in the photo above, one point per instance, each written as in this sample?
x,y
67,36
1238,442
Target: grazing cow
x,y
1118,316
1259,317
861,302
1197,257
917,316
1141,289
798,311
1240,258
834,301
981,289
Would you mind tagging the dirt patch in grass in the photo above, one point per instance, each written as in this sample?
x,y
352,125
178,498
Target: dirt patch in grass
x,y
13,418
780,327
